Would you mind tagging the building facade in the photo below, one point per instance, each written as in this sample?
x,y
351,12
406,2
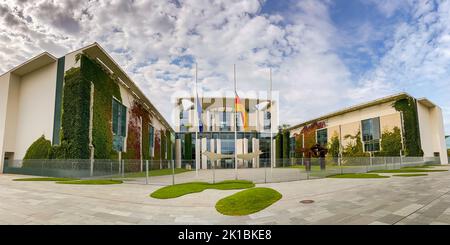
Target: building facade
x,y
84,104
217,131
390,126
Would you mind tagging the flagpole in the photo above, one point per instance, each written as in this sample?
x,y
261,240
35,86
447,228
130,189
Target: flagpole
x,y
235,124
272,157
196,121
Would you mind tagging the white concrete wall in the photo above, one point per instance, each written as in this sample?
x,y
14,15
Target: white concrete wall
x,y
432,134
70,62
4,90
11,114
36,105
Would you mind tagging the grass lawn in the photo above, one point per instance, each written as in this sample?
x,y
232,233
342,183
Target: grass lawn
x,y
407,170
178,190
157,172
44,179
357,176
92,182
248,201
409,175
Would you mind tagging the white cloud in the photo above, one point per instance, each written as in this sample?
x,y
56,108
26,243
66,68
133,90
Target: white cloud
x,y
147,37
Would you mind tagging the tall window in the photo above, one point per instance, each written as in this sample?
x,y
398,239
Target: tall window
x,y
371,134
322,137
151,138
184,121
267,122
119,124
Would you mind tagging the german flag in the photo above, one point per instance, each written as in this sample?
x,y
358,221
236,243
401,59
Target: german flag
x,y
240,108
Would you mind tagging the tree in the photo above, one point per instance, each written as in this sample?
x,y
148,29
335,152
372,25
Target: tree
x,y
334,146
355,147
40,149
391,142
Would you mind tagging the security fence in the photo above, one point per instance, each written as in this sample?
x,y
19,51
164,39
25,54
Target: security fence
x,y
167,172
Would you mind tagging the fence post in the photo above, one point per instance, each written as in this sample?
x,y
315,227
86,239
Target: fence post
x,y
214,171
265,172
146,172
173,171
123,168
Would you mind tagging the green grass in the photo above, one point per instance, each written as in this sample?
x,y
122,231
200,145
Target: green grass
x,y
152,173
45,179
409,175
357,176
178,190
92,182
248,201
407,170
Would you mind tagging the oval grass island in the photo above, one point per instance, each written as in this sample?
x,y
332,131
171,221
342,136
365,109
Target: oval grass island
x,y
174,191
248,201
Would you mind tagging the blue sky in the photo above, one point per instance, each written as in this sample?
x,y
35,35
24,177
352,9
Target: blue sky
x,y
325,54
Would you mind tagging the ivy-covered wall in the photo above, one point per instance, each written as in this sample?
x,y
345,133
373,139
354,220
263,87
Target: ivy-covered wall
x,y
137,112
75,116
188,146
408,108
105,87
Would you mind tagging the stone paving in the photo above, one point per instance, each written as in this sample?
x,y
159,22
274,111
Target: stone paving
x,y
396,200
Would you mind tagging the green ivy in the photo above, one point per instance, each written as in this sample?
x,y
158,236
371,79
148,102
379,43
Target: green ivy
x,y
40,149
188,146
411,126
169,145
75,116
105,88
286,146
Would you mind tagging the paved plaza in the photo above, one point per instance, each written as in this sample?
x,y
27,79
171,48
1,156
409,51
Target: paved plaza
x,y
396,200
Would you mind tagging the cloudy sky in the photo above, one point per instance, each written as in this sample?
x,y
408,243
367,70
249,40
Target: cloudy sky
x,y
324,54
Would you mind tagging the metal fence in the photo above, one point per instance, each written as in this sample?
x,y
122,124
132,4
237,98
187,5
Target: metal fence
x,y
167,172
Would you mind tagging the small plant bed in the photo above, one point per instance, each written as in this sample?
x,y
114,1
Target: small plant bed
x,y
424,166
153,173
178,190
92,182
45,179
407,170
248,201
409,175
357,176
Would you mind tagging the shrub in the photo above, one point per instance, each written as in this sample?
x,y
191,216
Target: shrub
x,y
334,146
391,142
40,149
354,148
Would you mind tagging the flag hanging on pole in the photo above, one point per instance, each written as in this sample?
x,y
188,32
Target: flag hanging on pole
x,y
240,108
199,114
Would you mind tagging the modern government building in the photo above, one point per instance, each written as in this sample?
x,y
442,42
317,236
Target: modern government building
x,y
84,106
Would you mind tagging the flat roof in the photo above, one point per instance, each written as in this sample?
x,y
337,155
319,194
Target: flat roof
x,y
96,51
354,108
33,64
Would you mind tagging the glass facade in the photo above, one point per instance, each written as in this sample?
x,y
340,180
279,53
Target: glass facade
x,y
322,137
371,134
119,124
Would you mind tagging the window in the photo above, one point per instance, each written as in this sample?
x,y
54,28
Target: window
x,y
322,137
267,117
151,136
184,121
119,124
371,134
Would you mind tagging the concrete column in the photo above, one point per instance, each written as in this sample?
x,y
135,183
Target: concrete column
x,y
204,158
178,153
245,148
255,147
218,151
197,154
